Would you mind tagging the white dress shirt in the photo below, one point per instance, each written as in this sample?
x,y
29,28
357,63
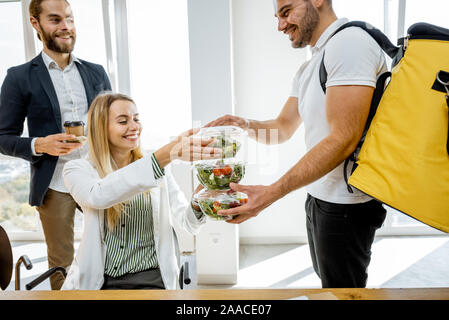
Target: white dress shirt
x,y
69,88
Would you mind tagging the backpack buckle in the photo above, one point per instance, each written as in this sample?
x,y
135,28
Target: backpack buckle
x,y
445,84
406,42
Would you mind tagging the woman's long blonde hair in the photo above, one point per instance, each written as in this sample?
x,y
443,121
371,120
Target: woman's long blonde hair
x,y
99,151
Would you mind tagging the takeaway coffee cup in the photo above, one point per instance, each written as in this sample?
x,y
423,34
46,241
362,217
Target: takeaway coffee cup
x,y
74,127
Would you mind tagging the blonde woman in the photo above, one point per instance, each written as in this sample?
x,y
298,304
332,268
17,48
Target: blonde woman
x,y
128,201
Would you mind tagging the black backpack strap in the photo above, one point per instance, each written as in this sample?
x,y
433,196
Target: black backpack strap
x,y
377,95
323,75
447,142
442,84
382,40
345,172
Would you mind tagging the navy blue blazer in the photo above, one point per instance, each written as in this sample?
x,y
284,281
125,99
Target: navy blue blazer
x,y
28,93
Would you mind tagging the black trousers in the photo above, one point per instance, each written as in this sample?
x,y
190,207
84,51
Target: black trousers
x,y
148,280
340,238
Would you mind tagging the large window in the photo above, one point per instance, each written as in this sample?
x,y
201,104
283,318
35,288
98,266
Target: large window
x,y
431,11
90,42
15,213
12,48
371,11
159,73
159,68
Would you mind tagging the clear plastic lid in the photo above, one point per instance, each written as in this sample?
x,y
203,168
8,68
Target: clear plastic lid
x,y
218,174
224,131
228,138
212,201
219,163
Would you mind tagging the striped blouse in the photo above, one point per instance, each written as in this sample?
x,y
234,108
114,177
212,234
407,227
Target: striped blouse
x,y
130,247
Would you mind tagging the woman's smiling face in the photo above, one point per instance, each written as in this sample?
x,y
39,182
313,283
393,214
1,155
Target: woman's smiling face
x,y
124,127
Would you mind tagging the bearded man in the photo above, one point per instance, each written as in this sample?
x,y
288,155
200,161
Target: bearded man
x,y
340,225
51,89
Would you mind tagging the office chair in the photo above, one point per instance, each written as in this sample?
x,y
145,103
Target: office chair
x,y
184,277
6,265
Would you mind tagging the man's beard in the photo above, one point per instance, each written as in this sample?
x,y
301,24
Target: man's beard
x,y
306,26
50,41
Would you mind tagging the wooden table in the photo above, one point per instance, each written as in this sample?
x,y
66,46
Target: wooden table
x,y
234,294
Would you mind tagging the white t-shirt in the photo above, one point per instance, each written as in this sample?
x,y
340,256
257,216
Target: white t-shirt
x,y
352,57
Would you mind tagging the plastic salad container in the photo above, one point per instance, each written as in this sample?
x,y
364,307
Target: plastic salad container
x,y
212,201
217,174
228,138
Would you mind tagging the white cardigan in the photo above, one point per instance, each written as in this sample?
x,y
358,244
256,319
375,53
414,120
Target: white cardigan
x,y
94,194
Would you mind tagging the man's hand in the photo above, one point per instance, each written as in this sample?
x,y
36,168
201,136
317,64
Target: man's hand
x,y
229,120
259,198
56,144
279,129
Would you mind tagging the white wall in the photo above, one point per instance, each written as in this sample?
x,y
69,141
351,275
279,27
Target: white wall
x,y
264,66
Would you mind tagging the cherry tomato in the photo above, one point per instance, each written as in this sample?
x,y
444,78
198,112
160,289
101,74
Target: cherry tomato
x,y
217,172
227,170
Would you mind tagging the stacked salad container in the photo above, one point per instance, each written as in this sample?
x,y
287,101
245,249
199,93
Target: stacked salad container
x,y
216,175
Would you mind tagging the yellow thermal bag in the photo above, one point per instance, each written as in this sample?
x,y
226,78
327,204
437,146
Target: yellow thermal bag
x,y
404,159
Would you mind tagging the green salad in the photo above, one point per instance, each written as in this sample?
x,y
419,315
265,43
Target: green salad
x,y
218,175
229,146
211,206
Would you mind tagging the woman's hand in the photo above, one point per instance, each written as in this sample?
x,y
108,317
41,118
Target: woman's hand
x,y
187,148
194,204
